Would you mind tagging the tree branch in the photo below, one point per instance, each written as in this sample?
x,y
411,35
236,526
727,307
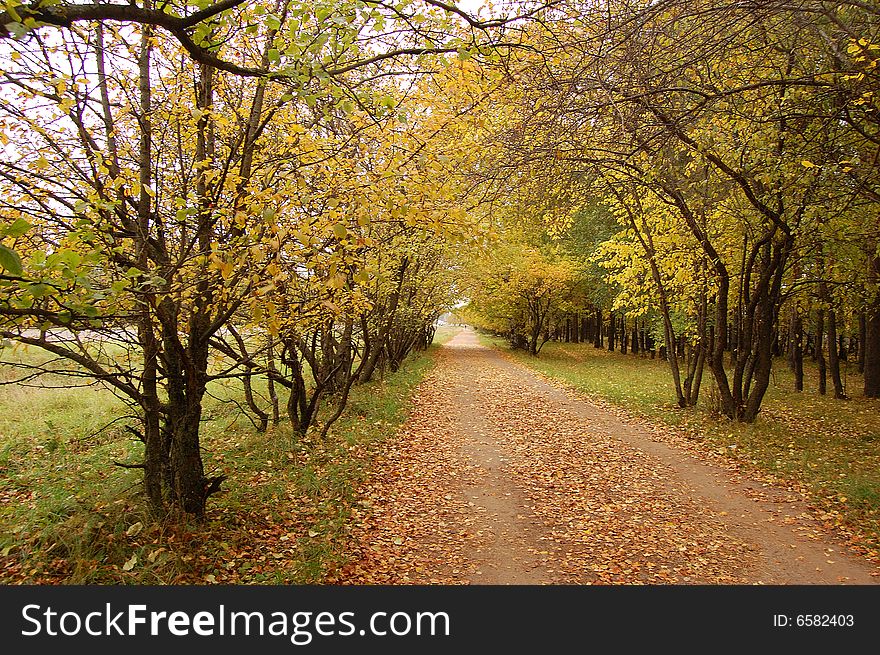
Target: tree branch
x,y
65,15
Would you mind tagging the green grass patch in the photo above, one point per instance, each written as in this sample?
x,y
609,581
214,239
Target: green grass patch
x,y
69,515
444,333
830,446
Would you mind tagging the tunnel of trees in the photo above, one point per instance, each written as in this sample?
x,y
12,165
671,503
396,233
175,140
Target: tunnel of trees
x,y
289,195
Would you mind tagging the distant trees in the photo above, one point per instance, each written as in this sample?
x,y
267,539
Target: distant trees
x,y
736,144
523,291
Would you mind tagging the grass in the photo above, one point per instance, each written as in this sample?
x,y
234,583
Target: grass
x,y
829,446
68,515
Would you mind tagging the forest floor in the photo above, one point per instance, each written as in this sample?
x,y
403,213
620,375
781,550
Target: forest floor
x,y
500,476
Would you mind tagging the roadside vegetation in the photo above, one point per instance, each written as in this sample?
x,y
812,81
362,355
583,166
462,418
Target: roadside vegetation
x,y
70,516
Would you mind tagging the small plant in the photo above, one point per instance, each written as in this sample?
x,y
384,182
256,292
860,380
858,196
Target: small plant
x,y
53,436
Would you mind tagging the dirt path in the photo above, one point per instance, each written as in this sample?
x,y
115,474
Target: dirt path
x,y
501,478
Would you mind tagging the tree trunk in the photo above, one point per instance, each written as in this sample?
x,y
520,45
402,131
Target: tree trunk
x,y
833,351
863,332
734,336
270,383
612,331
186,379
820,351
872,336
190,485
834,356
597,336
872,353
797,352
156,455
379,342
155,459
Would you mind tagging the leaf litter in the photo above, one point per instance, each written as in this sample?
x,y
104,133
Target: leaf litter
x,y
486,435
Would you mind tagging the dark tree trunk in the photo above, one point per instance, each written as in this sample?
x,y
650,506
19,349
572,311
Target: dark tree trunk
x,y
797,351
190,485
834,356
863,332
833,352
186,376
377,345
597,336
155,455
612,331
539,310
820,351
262,420
188,365
733,337
872,335
270,383
872,352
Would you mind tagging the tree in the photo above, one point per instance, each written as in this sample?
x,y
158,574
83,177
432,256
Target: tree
x,y
144,209
732,118
522,291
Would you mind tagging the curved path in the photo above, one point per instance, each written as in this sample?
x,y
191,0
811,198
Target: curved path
x,y
499,477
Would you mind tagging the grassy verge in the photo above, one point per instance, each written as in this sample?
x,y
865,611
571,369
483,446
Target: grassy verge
x,y
68,515
830,447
